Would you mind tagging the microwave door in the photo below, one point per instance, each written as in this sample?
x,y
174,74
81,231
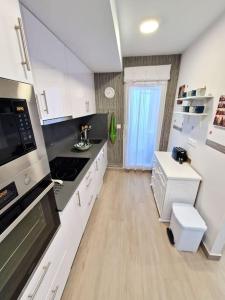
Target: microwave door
x,y
10,140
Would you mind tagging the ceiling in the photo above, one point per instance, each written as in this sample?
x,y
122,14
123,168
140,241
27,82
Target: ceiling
x,y
94,29
181,22
87,27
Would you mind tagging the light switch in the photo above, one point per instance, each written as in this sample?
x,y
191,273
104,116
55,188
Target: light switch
x,y
118,126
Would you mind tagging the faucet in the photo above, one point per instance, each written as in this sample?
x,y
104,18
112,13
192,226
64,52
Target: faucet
x,y
84,133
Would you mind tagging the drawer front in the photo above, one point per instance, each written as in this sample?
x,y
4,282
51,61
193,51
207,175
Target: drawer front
x,y
39,284
61,275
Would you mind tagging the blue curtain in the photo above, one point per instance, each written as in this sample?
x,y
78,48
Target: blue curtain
x,y
143,106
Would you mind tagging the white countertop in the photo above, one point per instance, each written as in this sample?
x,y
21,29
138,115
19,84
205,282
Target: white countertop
x,y
173,169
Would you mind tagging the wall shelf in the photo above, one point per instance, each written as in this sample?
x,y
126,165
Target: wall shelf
x,y
190,114
195,98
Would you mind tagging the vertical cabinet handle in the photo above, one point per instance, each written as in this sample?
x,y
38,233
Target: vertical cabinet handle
x,y
54,292
46,102
87,106
89,203
45,270
96,165
78,196
26,61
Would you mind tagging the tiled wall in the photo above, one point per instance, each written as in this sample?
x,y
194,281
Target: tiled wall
x,y
116,105
63,135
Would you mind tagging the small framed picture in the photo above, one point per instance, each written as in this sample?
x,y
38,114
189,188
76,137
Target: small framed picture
x,y
219,119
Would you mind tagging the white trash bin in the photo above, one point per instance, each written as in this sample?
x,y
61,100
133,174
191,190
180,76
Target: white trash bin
x,y
187,227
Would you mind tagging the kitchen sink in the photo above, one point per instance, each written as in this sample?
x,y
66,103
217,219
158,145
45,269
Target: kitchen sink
x,y
93,141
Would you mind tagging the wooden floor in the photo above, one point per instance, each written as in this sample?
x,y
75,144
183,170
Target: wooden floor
x,y
125,253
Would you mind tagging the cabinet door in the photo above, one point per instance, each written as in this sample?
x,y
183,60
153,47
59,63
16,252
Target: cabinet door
x,y
14,58
48,61
89,93
75,90
87,194
61,275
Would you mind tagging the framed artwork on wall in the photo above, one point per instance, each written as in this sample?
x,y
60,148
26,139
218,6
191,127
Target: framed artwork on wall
x,y
219,119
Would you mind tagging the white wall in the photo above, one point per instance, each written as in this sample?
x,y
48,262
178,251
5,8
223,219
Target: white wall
x,y
203,64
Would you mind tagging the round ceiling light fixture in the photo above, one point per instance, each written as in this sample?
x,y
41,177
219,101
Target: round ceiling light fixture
x,y
149,26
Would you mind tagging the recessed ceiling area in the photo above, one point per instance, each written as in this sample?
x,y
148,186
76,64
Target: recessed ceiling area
x,y
181,22
94,30
89,28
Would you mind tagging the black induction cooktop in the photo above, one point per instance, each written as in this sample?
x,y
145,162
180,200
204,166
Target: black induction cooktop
x,y
67,168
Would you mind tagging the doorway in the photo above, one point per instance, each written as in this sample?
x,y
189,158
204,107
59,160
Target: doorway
x,y
144,109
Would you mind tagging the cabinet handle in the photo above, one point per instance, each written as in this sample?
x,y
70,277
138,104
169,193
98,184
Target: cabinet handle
x,y
45,270
87,185
78,196
54,292
46,103
26,61
96,165
87,106
88,176
89,203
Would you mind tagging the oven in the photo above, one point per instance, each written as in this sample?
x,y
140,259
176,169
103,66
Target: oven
x,y
26,228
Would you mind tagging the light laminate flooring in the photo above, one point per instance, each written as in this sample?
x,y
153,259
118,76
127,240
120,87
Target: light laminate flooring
x,y
125,253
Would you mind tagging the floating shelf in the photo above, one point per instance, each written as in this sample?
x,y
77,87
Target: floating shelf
x,y
190,114
190,98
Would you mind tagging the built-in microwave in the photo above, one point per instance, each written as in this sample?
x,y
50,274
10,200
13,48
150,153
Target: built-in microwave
x,y
23,157
16,132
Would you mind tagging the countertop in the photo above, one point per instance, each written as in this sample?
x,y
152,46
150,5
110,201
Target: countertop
x,y
68,188
173,169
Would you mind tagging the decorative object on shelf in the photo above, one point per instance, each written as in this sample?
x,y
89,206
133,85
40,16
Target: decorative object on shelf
x,y
109,92
193,93
199,109
186,108
201,91
113,129
192,109
181,91
219,119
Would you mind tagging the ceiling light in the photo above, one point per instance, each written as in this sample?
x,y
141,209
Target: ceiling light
x,y
149,26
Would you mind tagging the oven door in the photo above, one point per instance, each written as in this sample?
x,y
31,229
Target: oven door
x,y
26,230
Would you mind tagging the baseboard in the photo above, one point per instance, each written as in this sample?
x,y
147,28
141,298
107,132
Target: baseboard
x,y
115,167
210,255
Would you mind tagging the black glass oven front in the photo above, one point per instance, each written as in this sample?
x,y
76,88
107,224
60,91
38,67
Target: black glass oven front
x,y
24,244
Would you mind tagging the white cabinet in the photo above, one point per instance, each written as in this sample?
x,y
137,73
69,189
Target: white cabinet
x,y
39,283
172,182
49,279
14,60
80,84
48,64
63,84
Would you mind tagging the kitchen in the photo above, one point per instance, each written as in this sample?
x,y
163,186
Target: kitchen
x,y
90,202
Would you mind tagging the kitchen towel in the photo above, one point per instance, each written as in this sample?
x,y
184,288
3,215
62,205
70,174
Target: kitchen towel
x,y
112,129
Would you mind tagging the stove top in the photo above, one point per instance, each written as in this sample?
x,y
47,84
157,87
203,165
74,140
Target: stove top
x,y
67,168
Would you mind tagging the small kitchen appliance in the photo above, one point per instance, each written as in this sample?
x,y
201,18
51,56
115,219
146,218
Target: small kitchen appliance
x,y
179,154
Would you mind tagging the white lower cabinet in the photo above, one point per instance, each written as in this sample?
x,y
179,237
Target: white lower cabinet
x,y
49,279
172,182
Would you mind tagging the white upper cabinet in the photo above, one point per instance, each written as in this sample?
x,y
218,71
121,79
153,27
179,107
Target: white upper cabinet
x,y
14,59
48,65
80,86
63,84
